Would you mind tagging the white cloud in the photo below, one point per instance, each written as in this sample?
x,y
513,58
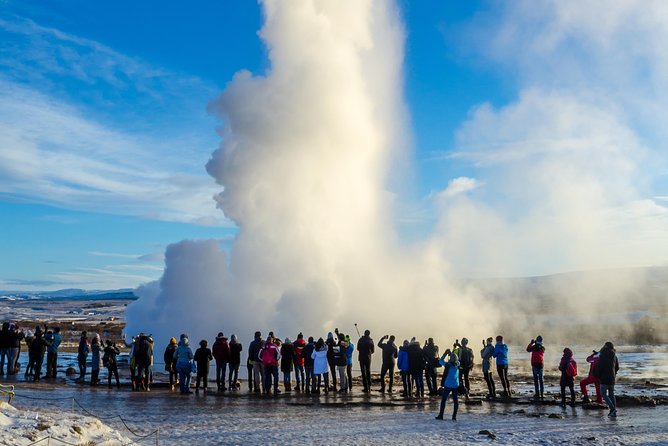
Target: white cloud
x,y
458,186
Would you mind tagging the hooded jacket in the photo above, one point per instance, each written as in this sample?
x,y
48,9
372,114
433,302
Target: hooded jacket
x,y
254,350
537,352
55,343
486,355
567,362
320,365
299,344
183,353
607,367
501,353
287,357
235,351
270,355
221,349
402,359
365,347
452,376
415,358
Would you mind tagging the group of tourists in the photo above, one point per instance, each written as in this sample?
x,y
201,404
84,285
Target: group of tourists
x,y
319,366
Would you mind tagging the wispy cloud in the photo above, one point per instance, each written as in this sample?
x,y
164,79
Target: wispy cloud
x,y
84,127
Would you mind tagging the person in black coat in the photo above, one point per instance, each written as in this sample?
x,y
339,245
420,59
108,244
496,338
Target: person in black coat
x,y
416,366
606,370
37,350
203,358
389,355
365,347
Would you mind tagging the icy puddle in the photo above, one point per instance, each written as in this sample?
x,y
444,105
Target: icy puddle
x,y
248,420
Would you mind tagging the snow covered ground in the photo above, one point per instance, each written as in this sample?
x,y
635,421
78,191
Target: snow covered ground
x,y
30,425
250,420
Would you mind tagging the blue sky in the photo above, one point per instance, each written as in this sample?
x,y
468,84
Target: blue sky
x,y
104,133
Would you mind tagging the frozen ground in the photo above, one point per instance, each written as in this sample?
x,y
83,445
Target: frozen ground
x,y
248,420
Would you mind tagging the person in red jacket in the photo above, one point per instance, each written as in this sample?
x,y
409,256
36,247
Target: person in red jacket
x,y
569,370
591,379
537,351
299,345
270,356
221,353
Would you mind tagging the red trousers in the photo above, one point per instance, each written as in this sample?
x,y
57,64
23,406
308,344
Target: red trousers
x,y
596,382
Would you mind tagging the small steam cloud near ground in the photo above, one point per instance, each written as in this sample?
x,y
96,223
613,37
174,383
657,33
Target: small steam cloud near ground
x,y
306,154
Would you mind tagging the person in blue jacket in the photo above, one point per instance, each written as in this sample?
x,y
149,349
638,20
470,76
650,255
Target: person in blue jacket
x,y
501,354
450,383
402,364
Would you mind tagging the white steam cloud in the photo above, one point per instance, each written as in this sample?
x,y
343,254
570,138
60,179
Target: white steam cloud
x,y
558,180
305,157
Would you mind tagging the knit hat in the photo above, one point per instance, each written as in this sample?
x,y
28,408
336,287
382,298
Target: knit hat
x,y
220,334
172,340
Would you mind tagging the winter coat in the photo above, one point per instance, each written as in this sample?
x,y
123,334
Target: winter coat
x,y
5,338
109,358
221,350
465,358
299,351
320,365
451,373
350,349
389,352
203,358
415,358
55,343
287,357
95,357
607,367
15,338
308,355
402,359
254,350
339,355
143,352
168,356
235,352
83,349
38,346
486,355
183,354
537,351
501,353
269,355
567,365
430,352
593,360
365,347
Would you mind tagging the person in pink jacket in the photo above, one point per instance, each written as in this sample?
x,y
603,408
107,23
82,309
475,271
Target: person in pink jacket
x,y
270,356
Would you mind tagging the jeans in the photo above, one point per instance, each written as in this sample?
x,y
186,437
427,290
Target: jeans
x,y
184,377
406,381
5,357
538,378
455,401
299,377
430,374
310,379
82,365
608,391
464,380
326,383
51,364
349,374
343,381
270,372
233,376
570,386
113,370
287,379
221,369
384,369
419,383
366,375
332,370
258,375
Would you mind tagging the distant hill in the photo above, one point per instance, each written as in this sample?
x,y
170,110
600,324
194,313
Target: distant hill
x,y
69,294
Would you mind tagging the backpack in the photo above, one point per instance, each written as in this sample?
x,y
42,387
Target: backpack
x,y
105,359
465,358
572,369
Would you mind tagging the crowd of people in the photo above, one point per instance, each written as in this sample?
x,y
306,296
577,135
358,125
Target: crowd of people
x,y
319,366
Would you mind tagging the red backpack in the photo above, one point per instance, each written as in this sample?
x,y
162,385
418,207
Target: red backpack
x,y
572,369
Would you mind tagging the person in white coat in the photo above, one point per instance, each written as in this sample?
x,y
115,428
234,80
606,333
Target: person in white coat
x,y
320,365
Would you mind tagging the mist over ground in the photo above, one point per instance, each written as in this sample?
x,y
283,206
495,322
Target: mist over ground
x,y
557,181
